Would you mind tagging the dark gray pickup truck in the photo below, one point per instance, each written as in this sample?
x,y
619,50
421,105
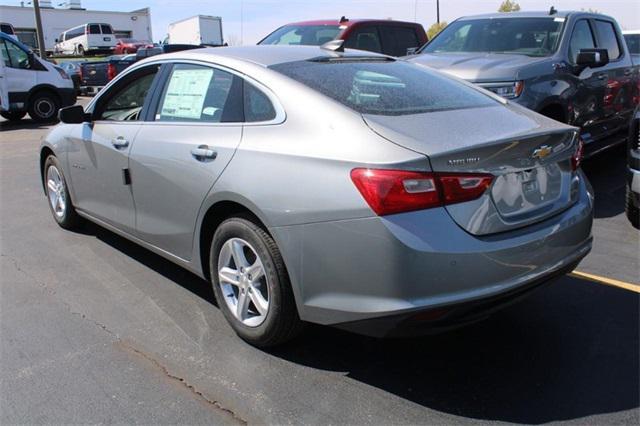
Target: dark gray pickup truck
x,y
571,66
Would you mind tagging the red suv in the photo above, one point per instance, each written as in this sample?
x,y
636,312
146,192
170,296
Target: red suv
x,y
393,38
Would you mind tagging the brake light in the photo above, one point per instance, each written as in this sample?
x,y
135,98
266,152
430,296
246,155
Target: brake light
x,y
398,191
111,71
577,156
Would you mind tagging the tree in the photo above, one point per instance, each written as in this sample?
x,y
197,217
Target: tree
x,y
435,29
509,6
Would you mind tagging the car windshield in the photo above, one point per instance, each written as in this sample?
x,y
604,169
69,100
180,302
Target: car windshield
x,y
382,87
307,35
633,43
527,36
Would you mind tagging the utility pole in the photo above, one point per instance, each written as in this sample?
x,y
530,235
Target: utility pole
x,y
438,11
36,10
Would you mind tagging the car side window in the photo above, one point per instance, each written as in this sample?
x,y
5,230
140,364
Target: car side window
x,y
4,55
198,93
581,38
257,105
607,38
127,100
396,40
17,58
365,38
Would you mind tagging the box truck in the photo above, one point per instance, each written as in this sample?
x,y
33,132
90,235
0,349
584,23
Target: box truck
x,y
198,29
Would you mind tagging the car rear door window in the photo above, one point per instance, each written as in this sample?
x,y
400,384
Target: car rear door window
x,y
607,38
364,38
257,106
94,29
197,93
581,38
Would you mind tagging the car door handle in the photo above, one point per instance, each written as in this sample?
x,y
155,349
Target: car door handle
x,y
120,142
203,152
627,71
602,76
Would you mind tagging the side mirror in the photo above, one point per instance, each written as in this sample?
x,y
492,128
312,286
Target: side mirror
x,y
592,58
57,41
73,115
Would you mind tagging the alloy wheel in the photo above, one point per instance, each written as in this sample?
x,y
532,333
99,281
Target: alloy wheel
x,y
56,192
243,282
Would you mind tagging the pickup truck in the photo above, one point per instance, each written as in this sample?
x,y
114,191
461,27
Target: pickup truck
x,y
574,67
94,75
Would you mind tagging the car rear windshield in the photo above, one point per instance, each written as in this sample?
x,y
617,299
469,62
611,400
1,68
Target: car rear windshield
x,y
384,87
94,29
633,43
307,35
527,36
106,29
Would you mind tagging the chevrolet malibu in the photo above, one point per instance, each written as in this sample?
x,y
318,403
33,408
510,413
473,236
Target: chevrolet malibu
x,y
313,184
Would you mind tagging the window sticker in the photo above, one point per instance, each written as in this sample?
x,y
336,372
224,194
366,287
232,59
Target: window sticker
x,y
186,93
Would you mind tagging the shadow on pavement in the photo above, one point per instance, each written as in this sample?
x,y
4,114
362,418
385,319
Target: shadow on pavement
x,y
167,269
568,351
607,173
25,123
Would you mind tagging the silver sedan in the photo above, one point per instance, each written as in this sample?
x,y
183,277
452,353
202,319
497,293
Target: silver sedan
x,y
317,185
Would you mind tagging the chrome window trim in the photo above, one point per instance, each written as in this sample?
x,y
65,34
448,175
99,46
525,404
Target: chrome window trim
x,y
280,117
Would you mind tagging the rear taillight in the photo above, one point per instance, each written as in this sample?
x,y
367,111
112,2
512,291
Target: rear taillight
x,y
398,191
111,71
576,158
80,72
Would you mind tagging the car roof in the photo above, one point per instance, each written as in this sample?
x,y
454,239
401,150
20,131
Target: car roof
x,y
532,14
347,23
266,55
630,32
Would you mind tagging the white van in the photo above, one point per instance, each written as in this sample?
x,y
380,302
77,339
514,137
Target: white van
x,y
8,29
31,85
86,39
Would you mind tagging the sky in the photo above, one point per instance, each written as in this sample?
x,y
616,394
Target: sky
x,y
248,21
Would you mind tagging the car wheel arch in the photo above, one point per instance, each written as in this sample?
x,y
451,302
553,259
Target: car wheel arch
x,y
214,215
43,88
45,152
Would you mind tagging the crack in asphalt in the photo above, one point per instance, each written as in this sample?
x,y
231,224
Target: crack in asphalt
x,y
126,345
180,380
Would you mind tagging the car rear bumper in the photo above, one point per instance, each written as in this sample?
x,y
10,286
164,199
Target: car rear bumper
x,y
389,269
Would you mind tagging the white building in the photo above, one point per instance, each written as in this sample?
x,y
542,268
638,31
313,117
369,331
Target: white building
x,y
135,24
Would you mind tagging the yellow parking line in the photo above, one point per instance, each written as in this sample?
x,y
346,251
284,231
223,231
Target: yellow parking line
x,y
607,281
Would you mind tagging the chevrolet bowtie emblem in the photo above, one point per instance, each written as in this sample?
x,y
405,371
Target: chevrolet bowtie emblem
x,y
542,152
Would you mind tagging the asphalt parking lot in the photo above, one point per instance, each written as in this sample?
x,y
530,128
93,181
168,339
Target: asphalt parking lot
x,y
95,329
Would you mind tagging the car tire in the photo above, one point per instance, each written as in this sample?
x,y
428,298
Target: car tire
x,y
633,213
13,115
58,198
43,107
277,321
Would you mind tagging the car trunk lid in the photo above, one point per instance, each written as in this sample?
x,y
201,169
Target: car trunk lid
x,y
529,156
